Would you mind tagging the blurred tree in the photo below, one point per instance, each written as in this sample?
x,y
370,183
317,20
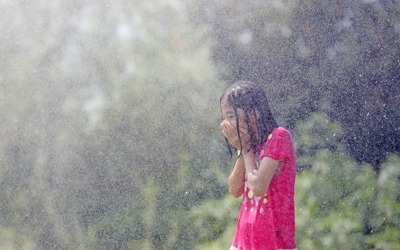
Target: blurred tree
x,y
160,123
110,117
353,50
253,41
32,120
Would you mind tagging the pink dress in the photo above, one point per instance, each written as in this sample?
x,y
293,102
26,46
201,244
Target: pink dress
x,y
268,223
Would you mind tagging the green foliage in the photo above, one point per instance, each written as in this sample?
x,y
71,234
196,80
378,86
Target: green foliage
x,y
213,217
343,205
10,240
117,230
215,222
385,222
330,202
314,134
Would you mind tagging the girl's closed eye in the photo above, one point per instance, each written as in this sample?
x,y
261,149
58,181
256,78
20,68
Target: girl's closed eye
x,y
231,117
228,117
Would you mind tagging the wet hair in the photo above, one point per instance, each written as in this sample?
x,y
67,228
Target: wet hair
x,y
251,98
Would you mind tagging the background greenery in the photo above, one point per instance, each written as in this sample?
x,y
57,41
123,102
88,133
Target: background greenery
x,y
109,119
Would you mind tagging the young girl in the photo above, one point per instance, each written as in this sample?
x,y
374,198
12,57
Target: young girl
x,y
264,173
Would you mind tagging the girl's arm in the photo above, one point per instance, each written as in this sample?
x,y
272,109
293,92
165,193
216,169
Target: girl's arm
x,y
259,180
236,178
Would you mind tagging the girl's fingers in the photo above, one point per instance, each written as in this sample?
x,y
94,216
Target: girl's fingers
x,y
228,128
230,133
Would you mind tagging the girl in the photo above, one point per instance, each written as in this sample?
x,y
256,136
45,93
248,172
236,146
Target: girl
x,y
264,173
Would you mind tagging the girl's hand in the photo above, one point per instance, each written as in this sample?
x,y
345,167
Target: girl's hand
x,y
230,132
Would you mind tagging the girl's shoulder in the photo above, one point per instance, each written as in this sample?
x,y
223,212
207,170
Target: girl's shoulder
x,y
281,131
281,134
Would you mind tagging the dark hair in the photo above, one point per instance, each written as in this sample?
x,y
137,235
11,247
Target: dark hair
x,y
251,97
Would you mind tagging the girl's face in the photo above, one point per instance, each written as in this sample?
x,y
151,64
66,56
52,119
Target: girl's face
x,y
228,115
229,128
